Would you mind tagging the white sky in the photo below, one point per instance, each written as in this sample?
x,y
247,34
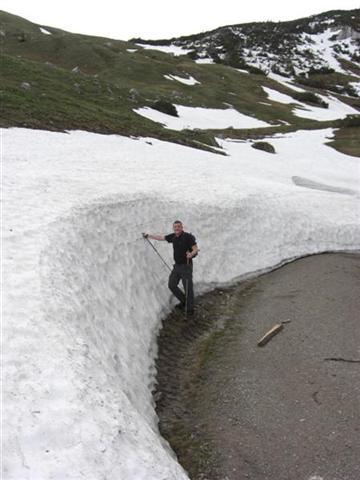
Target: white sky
x,y
125,19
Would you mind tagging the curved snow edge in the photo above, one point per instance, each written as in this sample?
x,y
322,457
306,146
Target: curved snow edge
x,y
104,293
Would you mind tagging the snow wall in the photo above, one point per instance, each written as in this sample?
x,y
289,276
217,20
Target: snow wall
x,y
79,362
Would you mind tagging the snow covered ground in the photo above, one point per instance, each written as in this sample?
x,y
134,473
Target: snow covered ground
x,y
203,118
84,294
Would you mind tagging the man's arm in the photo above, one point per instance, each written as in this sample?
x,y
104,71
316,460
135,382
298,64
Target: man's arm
x,y
194,251
154,237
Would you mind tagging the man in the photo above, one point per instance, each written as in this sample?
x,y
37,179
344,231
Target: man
x,y
185,249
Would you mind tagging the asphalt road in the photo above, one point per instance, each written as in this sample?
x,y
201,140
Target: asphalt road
x,y
287,411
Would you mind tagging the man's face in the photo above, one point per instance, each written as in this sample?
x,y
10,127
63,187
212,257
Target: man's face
x,y
178,228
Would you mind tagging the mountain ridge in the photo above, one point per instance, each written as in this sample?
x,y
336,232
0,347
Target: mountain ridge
x,y
57,80
347,13
251,44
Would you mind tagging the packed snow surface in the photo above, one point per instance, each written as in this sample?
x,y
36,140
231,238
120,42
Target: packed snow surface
x,y
173,49
85,294
202,118
186,81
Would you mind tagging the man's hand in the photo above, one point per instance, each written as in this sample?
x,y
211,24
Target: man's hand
x,y
153,237
193,252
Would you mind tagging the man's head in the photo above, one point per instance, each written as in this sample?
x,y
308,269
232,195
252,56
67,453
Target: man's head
x,y
178,227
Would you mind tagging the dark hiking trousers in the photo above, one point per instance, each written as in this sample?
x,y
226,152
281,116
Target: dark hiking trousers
x,y
182,272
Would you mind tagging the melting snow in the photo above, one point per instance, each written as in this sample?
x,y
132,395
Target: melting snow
x,y
187,81
46,32
283,81
322,47
356,86
204,61
131,50
202,118
176,51
336,110
84,294
278,96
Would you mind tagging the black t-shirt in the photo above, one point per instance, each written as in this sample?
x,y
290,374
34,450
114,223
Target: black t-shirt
x,y
181,244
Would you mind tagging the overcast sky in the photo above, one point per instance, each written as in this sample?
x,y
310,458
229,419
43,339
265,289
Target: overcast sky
x,y
125,19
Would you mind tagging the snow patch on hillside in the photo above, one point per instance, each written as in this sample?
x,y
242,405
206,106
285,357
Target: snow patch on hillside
x,y
46,32
172,49
186,81
202,118
84,294
356,86
336,110
276,96
205,61
283,81
322,47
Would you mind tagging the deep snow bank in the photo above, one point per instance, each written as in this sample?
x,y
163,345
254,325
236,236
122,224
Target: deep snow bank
x,y
84,293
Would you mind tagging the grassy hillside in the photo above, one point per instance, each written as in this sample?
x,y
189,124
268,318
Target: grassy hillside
x,y
62,81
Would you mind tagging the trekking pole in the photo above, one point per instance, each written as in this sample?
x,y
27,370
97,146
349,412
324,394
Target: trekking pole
x,y
161,258
186,291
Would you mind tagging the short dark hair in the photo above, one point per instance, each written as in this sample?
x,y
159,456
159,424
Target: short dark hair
x,y
177,221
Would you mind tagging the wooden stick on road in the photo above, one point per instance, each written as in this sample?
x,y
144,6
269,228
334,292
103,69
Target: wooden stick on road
x,y
271,333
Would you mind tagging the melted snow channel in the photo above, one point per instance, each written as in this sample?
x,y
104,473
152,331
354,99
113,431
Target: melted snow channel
x,y
84,294
202,118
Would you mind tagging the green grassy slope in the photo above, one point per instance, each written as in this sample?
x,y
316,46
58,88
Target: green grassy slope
x,y
109,82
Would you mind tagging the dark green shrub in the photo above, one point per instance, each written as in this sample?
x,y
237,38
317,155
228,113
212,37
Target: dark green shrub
x,y
310,97
165,107
193,55
234,59
255,70
264,146
321,71
349,90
